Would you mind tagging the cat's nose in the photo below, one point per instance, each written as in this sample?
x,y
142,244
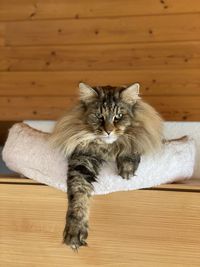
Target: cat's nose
x,y
108,127
108,131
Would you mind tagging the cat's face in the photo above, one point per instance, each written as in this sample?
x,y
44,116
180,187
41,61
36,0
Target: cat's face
x,y
108,110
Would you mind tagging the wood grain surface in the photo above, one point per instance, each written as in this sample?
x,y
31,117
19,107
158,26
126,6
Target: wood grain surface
x,y
192,185
65,83
149,56
52,107
46,9
47,47
103,30
137,228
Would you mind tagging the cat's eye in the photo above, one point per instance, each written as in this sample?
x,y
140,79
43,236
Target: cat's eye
x,y
118,116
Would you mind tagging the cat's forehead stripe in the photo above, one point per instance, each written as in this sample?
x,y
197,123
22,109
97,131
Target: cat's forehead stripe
x,y
109,98
109,109
109,101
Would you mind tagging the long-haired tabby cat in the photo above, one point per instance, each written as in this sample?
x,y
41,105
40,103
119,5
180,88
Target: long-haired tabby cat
x,y
109,123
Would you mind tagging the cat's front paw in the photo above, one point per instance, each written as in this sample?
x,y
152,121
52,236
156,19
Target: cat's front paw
x,y
75,233
127,166
126,170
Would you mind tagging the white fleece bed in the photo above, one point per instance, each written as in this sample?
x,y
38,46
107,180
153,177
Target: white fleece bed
x,y
172,130
28,152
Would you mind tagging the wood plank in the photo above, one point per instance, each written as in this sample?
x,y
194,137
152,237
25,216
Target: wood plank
x,y
101,57
2,34
20,108
26,108
174,108
108,30
153,82
185,185
48,9
159,229
17,180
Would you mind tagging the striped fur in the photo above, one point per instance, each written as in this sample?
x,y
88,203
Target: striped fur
x,y
109,123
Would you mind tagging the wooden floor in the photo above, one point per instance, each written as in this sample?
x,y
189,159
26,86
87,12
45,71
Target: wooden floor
x,y
159,228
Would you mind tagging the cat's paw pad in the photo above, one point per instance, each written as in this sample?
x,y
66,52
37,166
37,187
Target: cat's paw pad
x,y
75,235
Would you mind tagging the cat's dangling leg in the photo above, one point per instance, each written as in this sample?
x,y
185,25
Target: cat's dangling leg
x,y
127,165
83,170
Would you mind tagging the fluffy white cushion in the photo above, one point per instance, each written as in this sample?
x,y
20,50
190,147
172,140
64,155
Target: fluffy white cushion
x,y
172,129
28,152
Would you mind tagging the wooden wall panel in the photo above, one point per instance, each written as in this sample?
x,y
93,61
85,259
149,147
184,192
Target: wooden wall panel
x,y
175,108
153,82
47,47
176,55
48,9
106,30
35,108
2,34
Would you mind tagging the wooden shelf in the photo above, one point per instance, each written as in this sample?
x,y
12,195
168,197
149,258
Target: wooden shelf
x,y
154,227
190,185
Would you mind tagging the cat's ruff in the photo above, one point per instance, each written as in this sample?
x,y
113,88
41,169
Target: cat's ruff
x,y
27,152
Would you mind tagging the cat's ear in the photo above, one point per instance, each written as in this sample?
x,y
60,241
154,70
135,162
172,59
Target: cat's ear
x,y
87,93
131,94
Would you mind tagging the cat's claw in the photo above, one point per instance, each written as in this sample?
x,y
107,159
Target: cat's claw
x,y
75,235
127,175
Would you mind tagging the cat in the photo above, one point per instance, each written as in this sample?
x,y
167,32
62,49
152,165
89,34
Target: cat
x,y
108,123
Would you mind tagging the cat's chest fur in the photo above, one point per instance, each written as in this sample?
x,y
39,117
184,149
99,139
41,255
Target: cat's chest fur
x,y
100,148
